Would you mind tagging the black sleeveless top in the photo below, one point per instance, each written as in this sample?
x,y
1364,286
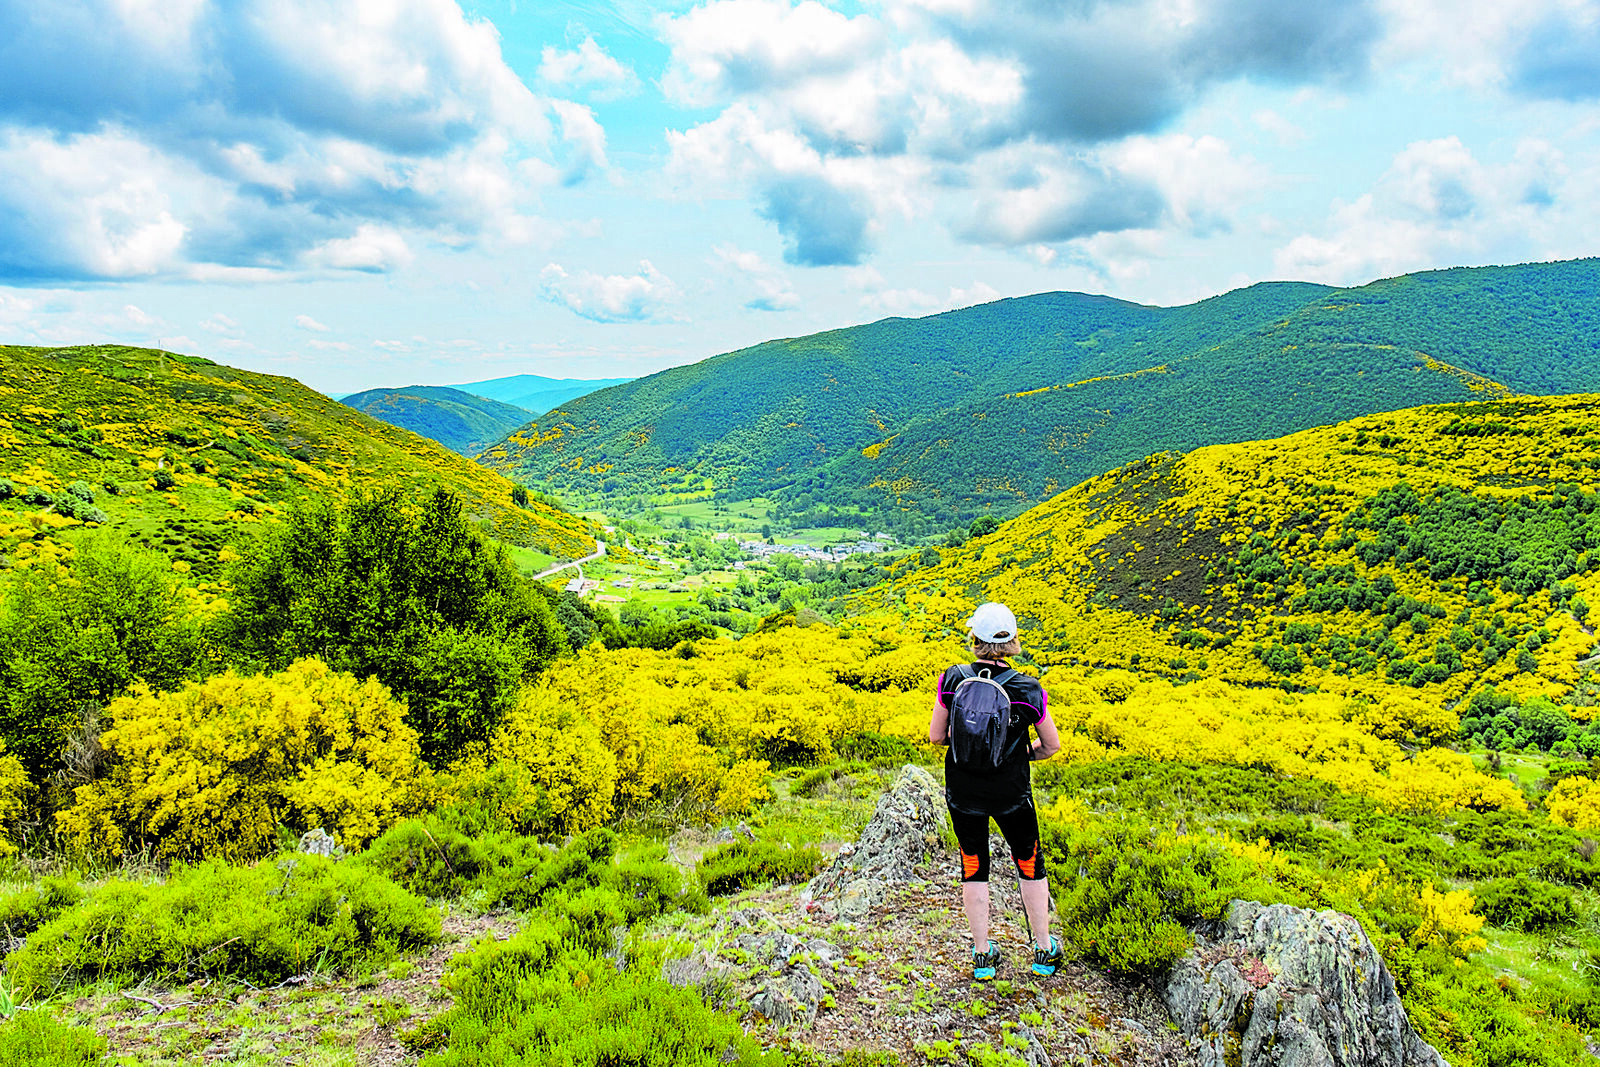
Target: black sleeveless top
x,y
981,791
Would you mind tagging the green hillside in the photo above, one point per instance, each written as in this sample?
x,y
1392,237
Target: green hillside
x,y
181,453
922,423
534,393
1441,549
460,421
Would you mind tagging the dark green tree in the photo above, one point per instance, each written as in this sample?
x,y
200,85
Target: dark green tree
x,y
413,595
70,643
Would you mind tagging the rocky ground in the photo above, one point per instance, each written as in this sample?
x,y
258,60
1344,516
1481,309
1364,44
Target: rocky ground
x,y
900,980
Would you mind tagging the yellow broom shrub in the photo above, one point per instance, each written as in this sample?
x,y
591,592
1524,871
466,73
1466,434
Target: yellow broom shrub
x,y
564,775
217,767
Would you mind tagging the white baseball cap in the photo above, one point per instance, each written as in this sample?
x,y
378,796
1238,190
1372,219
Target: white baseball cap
x,y
993,624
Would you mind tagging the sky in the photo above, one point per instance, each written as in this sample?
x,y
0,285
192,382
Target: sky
x,y
364,193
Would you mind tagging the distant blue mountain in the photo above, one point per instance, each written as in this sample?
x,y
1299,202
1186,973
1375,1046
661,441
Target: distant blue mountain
x,y
536,394
455,418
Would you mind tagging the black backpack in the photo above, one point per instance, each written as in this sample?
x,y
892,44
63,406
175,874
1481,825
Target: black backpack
x,y
980,716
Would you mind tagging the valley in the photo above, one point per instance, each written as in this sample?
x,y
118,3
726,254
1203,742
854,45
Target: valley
x,y
317,746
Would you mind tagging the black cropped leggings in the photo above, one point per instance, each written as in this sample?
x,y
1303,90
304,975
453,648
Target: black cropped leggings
x,y
1021,831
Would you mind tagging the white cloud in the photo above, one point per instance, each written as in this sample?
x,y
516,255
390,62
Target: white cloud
x,y
1437,203
265,136
912,301
371,248
329,346
1282,130
586,67
612,297
726,48
220,324
306,322
773,291
1013,125
138,316
587,141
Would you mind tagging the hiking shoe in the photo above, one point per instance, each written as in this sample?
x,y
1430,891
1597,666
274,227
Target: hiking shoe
x,y
1045,962
984,963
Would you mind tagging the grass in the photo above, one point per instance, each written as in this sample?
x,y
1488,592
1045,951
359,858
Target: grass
x,y
530,560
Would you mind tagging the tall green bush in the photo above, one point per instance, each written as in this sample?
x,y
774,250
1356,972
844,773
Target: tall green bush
x,y
412,594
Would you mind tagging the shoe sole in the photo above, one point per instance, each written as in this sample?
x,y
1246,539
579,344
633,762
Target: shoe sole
x,y
983,974
1044,969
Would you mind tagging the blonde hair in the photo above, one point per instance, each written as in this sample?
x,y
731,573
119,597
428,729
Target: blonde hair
x,y
995,649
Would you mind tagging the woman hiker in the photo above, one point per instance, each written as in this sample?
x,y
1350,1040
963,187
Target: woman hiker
x,y
986,780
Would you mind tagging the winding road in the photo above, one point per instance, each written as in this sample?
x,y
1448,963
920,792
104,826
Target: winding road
x,y
599,550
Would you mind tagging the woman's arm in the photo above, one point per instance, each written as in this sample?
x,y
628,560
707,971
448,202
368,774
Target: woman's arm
x,y
939,726
1049,742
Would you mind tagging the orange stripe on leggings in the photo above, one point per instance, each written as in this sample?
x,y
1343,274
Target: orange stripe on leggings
x,y
1030,866
969,865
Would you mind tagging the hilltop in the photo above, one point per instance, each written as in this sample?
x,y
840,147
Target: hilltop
x,y
181,452
460,421
1443,547
919,423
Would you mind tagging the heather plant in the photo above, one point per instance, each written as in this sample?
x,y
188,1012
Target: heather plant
x,y
740,865
545,997
35,1039
261,924
25,910
217,767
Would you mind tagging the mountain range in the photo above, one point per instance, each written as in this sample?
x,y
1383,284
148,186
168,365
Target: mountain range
x,y
917,424
458,420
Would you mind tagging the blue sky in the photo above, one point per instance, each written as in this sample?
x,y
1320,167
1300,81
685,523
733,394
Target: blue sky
x,y
389,192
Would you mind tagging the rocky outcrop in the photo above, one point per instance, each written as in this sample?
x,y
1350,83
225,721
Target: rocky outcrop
x,y
777,974
1279,986
903,829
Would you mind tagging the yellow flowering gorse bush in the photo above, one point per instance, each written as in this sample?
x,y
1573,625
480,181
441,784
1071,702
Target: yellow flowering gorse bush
x,y
217,767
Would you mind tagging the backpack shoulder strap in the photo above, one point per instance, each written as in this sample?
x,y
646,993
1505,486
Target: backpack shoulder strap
x,y
966,670
1007,676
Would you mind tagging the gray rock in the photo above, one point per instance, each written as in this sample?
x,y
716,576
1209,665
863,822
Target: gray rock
x,y
318,842
699,970
1035,1055
859,897
903,829
769,1002
1280,986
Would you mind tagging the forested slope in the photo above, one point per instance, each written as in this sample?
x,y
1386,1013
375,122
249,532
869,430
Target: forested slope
x,y
460,421
995,407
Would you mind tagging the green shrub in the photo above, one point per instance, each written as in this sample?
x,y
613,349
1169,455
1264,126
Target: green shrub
x,y
34,1039
82,490
23,912
164,480
876,748
1139,889
262,924
437,857
540,999
1524,903
8,489
732,867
